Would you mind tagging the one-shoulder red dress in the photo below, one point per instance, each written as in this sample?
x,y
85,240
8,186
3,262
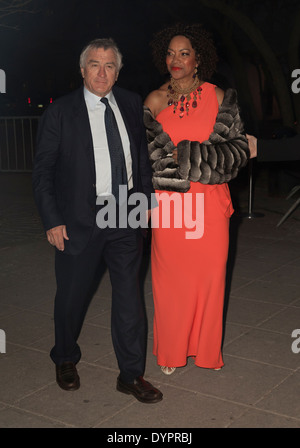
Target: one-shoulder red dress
x,y
189,253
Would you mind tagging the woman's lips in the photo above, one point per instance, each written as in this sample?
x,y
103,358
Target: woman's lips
x,y
176,68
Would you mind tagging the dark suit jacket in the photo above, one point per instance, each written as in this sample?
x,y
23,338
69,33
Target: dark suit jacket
x,y
64,178
284,149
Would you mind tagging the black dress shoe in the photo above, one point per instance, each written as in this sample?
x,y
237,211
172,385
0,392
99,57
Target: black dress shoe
x,y
67,377
141,390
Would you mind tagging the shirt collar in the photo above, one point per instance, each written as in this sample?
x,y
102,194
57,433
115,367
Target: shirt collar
x,y
93,100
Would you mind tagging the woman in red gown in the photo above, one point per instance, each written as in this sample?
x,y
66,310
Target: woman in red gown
x,y
196,146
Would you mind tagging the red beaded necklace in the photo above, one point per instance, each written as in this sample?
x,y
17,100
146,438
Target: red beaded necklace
x,y
182,97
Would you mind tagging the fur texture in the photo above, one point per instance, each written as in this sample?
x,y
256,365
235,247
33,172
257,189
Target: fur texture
x,y
214,161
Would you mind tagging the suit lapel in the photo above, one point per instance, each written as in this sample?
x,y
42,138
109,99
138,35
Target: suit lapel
x,y
126,110
82,127
81,119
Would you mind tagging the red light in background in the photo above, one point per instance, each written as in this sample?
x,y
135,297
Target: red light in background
x,y
28,100
51,100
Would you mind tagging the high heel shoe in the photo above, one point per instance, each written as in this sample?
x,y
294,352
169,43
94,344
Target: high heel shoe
x,y
167,370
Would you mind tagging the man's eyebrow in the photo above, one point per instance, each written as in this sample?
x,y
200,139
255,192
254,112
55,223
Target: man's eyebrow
x,y
93,61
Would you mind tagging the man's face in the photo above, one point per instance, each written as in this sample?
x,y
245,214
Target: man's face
x,y
100,71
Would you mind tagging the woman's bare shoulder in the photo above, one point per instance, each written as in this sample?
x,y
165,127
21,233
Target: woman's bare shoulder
x,y
157,100
220,95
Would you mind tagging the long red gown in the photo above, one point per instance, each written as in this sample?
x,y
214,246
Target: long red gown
x,y
188,274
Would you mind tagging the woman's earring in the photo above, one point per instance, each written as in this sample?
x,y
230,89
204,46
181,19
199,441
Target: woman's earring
x,y
195,72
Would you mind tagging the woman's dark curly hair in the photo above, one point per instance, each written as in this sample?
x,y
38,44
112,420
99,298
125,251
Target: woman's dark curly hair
x,y
201,42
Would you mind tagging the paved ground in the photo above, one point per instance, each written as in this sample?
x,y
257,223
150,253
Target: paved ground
x,y
259,385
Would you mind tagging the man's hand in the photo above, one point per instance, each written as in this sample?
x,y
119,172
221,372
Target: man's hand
x,y
56,237
252,142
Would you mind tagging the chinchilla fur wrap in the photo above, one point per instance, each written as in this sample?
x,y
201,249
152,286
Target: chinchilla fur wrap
x,y
214,161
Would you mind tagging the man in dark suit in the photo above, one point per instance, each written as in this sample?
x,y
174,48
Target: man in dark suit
x,y
74,170
274,150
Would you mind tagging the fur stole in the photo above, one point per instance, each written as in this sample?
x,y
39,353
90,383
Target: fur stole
x,y
214,161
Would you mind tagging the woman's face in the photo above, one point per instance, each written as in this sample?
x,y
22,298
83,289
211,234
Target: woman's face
x,y
181,58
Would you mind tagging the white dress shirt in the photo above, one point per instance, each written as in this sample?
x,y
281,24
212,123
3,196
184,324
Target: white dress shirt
x,y
96,111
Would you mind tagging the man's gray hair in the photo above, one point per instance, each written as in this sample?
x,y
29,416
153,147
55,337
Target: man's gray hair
x,y
106,44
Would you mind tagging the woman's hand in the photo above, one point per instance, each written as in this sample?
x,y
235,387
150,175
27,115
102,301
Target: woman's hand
x,y
175,155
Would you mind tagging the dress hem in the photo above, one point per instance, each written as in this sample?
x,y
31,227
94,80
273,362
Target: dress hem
x,y
181,364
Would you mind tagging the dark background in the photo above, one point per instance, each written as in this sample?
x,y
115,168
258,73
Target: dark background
x,y
257,42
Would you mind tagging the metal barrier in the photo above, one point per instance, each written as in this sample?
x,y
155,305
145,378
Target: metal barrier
x,y
17,140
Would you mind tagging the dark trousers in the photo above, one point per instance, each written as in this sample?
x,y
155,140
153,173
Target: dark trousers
x,y
121,249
